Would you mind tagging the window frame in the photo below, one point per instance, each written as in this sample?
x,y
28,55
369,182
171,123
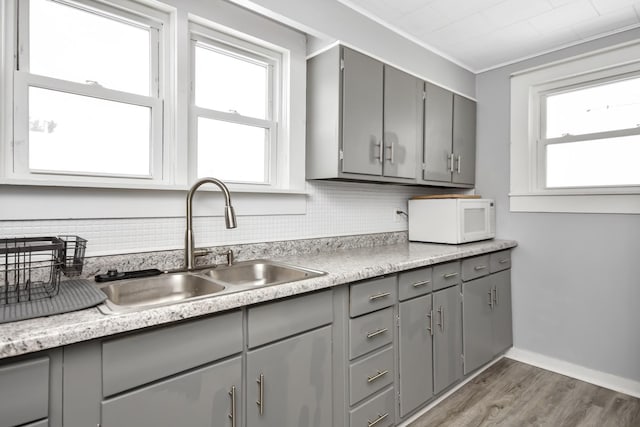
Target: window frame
x,y
209,38
528,190
133,13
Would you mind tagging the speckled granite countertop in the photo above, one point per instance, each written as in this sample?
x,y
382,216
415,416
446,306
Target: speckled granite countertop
x,y
343,266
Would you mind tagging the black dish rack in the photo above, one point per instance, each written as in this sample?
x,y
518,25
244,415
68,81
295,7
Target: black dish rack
x,y
30,267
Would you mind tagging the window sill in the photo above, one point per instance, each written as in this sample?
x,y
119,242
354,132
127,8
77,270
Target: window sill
x,y
566,202
29,200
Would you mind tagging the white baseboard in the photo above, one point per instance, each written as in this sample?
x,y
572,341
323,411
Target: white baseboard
x,y
602,379
447,394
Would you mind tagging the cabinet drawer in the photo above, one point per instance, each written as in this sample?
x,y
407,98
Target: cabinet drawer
x,y
24,391
376,412
475,267
415,283
369,332
372,295
370,374
445,275
140,358
499,261
276,320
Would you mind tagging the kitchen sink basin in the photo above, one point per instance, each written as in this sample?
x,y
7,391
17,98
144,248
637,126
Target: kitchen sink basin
x,y
258,273
169,288
129,295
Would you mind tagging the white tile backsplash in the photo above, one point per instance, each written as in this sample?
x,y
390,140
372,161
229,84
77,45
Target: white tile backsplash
x,y
333,209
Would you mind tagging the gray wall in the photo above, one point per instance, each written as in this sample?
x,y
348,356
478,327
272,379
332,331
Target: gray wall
x,y
331,20
576,277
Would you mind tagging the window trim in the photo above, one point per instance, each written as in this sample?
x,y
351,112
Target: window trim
x,y
527,190
200,34
21,79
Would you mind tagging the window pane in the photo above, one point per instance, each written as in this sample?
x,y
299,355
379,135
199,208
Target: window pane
x,y
596,109
593,163
227,82
71,44
231,151
81,134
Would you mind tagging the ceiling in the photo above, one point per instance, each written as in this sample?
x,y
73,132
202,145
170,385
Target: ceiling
x,y
484,34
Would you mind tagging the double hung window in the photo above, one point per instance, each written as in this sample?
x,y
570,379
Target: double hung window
x,y
87,100
234,109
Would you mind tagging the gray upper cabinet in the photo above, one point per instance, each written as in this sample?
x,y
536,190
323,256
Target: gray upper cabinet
x,y
438,125
362,148
447,338
402,123
364,119
449,144
464,140
289,382
415,353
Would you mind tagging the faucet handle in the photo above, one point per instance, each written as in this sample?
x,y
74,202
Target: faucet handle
x,y
198,252
230,257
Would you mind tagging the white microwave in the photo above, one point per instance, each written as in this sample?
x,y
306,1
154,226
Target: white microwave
x,y
451,221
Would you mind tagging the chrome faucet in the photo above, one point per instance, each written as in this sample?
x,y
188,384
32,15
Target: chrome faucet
x,y
229,218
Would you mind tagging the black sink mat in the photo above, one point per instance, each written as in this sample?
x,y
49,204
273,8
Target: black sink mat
x,y
75,294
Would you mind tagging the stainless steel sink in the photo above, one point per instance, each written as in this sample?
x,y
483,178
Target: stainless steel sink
x,y
258,273
130,295
136,294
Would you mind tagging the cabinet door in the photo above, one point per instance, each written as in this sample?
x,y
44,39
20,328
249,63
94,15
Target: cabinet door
x,y
402,123
502,324
196,399
478,319
361,114
416,361
289,382
438,116
464,140
447,340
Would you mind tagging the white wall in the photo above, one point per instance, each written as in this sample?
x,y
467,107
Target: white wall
x,y
332,208
576,277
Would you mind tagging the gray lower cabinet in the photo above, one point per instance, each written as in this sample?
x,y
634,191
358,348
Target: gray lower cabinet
x,y
31,390
415,353
447,338
289,382
208,396
487,318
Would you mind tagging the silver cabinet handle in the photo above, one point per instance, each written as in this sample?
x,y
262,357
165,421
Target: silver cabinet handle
x,y
450,160
377,375
459,162
260,400
416,285
430,328
495,295
479,267
441,324
491,299
377,420
503,261
376,333
380,156
232,415
377,296
390,147
449,275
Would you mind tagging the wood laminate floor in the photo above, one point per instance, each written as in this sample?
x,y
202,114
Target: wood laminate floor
x,y
514,394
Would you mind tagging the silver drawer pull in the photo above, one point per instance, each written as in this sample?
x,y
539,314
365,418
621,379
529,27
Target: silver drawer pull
x,y
416,285
377,296
376,376
232,415
260,401
450,275
503,261
377,420
479,267
376,333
